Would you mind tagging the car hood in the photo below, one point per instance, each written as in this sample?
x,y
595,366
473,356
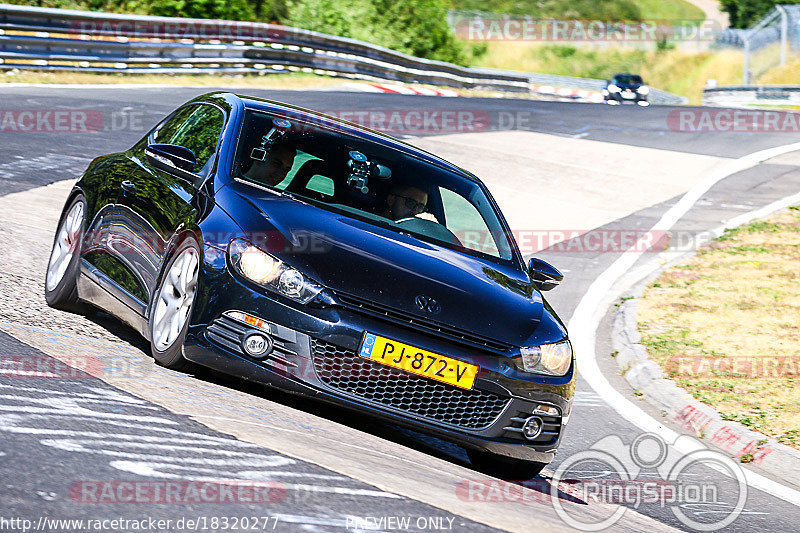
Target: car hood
x,y
356,258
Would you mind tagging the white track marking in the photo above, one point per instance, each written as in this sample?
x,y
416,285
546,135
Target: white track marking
x,y
250,475
592,307
176,455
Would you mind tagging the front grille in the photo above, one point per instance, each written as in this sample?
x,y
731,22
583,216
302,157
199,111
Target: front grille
x,y
345,371
407,320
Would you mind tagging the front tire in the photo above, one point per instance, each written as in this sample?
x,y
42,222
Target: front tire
x,y
504,467
172,305
63,268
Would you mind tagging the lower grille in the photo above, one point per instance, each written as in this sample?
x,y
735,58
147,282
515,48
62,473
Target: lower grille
x,y
228,333
551,428
343,370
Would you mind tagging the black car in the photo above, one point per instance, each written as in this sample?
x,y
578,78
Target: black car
x,y
626,88
295,250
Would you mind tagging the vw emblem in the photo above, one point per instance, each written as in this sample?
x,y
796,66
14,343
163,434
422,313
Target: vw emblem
x,y
425,303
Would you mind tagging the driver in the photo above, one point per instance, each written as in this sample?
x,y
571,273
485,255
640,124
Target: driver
x,y
405,201
274,168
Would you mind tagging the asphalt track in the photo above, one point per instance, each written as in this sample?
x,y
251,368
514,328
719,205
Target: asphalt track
x,y
38,471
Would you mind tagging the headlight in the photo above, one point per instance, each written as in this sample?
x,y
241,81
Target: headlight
x,y
552,359
613,88
270,272
643,89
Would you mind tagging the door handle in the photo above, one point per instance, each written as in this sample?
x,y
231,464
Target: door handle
x,y
128,187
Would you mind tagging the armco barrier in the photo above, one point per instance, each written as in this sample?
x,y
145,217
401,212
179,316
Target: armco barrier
x,y
55,39
747,95
61,39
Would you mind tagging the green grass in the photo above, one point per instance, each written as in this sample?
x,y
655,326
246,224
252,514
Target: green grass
x,y
669,9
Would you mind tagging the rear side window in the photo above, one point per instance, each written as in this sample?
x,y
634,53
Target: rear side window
x,y
196,127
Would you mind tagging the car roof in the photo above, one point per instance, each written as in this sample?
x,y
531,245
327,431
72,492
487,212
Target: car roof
x,y
360,132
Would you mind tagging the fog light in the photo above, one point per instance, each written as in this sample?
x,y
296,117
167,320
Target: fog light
x,y
532,427
257,345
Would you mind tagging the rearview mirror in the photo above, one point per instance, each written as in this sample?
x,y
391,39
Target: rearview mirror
x,y
544,275
172,158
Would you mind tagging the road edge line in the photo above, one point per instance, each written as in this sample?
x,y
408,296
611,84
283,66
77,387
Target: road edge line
x,y
602,292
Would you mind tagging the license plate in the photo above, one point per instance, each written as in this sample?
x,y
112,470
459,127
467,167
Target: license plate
x,y
629,95
418,361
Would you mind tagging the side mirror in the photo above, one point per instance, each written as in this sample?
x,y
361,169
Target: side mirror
x,y
172,158
544,275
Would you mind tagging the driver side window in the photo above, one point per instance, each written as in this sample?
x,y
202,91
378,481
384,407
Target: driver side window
x,y
196,127
466,222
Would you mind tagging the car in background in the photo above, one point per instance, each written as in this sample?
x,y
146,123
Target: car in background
x,y
626,88
299,251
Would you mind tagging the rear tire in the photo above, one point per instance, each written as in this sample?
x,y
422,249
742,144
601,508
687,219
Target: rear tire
x,y
172,306
504,467
63,268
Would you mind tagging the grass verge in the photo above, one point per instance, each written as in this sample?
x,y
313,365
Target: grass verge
x,y
725,326
292,80
669,10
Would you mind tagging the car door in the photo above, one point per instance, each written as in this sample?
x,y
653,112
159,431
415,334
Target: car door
x,y
153,204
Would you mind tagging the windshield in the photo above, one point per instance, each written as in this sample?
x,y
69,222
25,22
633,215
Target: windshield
x,y
628,79
342,173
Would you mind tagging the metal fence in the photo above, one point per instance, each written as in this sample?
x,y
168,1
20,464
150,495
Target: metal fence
x,y
59,39
765,44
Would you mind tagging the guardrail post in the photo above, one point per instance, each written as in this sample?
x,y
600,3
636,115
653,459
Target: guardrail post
x,y
746,80
784,32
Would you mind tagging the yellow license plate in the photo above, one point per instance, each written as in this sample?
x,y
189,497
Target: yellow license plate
x,y
418,361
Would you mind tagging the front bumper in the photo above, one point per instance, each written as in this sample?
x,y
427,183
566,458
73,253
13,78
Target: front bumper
x,y
315,355
624,96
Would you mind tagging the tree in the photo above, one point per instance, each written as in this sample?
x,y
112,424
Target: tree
x,y
745,13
